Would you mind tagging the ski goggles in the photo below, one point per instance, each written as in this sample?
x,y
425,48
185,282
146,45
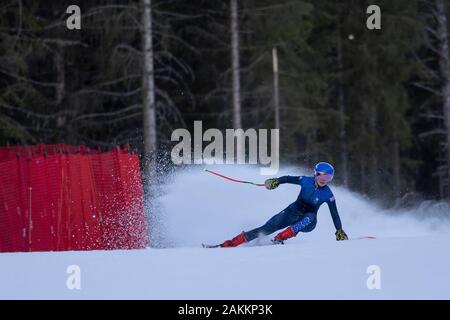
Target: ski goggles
x,y
323,177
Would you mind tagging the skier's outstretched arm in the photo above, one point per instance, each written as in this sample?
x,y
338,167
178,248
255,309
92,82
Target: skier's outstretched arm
x,y
340,234
290,179
275,182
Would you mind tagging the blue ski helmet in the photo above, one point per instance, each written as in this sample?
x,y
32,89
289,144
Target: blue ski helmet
x,y
325,171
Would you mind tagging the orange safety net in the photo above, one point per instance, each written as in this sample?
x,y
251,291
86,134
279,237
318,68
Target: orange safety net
x,y
58,197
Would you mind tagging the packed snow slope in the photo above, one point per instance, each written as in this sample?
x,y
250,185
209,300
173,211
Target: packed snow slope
x,y
411,250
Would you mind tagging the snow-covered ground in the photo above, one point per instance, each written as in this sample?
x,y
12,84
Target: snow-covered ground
x,y
411,253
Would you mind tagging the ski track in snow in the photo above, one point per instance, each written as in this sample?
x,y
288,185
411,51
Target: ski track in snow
x,y
411,249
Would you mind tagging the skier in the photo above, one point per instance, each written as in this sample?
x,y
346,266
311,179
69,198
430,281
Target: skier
x,y
301,215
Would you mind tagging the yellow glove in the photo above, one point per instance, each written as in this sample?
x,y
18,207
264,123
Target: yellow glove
x,y
340,235
272,183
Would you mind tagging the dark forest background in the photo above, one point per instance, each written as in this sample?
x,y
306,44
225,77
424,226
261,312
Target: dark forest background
x,y
376,103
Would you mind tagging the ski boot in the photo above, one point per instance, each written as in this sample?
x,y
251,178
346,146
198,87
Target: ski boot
x,y
239,239
283,235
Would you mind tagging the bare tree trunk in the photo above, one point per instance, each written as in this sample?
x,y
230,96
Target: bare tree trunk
x,y
235,65
362,172
148,86
444,64
396,168
341,104
314,154
374,178
60,71
58,59
276,99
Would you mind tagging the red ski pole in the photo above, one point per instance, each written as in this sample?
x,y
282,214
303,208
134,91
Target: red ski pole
x,y
234,180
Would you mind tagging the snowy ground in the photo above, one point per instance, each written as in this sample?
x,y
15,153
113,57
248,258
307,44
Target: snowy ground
x,y
411,251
